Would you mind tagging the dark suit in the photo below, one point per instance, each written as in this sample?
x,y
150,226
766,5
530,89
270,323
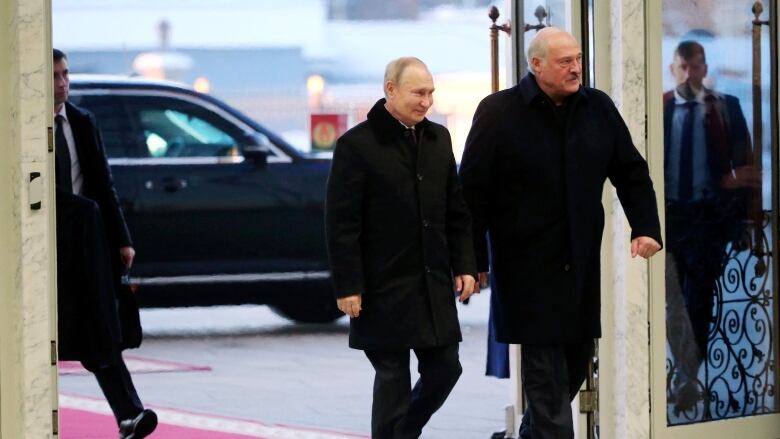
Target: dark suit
x,y
90,231
533,175
398,229
699,229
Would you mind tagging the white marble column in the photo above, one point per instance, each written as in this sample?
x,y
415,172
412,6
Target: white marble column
x,y
624,348
27,323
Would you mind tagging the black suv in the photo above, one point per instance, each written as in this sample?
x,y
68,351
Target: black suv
x,y
221,210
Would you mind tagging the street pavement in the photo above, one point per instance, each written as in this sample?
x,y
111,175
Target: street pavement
x,y
245,363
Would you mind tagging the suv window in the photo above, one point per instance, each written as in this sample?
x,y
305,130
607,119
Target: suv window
x,y
111,120
171,127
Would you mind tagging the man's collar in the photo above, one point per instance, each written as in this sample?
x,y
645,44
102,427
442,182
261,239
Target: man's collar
x,y
530,89
389,126
699,98
62,112
399,121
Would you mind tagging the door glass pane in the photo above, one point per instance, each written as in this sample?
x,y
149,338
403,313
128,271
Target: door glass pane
x,y
537,15
720,296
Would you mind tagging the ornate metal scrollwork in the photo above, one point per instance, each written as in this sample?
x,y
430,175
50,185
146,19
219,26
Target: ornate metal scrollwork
x,y
737,377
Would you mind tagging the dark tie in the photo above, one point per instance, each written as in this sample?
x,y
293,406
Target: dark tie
x,y
62,175
686,154
412,135
411,140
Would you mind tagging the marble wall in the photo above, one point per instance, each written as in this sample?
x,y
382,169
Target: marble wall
x,y
625,354
27,378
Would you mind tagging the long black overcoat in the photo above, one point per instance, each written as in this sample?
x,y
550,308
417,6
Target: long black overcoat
x,y
397,230
534,185
90,230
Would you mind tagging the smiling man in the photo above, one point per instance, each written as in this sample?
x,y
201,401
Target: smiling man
x,y
398,231
533,173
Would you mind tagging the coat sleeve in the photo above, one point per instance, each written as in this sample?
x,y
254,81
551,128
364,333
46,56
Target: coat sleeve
x,y
739,135
459,228
740,155
476,177
103,185
344,219
628,172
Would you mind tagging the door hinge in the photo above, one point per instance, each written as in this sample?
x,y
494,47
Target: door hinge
x,y
589,401
55,423
53,352
50,139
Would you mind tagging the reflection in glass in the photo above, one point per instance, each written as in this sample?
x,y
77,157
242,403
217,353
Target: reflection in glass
x,y
719,292
538,14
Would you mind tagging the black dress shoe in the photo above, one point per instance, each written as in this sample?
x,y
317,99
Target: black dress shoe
x,y
139,427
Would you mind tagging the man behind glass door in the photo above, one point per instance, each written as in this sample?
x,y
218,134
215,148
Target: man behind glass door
x,y
707,185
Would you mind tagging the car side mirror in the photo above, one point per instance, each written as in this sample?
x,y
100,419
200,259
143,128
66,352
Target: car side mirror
x,y
257,148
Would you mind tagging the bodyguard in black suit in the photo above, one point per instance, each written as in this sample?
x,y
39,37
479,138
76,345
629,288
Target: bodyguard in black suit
x,y
708,180
93,249
533,173
398,230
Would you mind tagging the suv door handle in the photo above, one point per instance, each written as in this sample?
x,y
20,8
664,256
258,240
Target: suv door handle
x,y
173,184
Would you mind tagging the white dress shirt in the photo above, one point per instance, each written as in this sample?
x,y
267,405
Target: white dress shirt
x,y
77,177
702,183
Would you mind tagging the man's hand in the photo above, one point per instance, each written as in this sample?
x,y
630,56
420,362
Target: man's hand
x,y
464,284
644,246
350,305
127,254
483,280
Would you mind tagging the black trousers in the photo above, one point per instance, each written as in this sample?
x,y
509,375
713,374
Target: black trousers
x,y
399,411
552,375
697,235
117,386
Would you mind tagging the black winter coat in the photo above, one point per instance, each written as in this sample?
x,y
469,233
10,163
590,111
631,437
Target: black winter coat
x,y
397,230
534,181
90,230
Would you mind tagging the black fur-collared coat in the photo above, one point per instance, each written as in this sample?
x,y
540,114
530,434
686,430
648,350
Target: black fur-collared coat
x,y
398,229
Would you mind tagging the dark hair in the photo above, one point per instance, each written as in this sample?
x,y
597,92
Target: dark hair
x,y
59,55
688,49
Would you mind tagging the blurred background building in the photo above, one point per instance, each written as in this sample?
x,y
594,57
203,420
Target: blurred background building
x,y
261,59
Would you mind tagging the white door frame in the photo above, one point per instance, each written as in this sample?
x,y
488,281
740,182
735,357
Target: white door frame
x,y
753,427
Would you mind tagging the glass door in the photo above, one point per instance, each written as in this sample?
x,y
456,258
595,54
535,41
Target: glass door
x,y
715,354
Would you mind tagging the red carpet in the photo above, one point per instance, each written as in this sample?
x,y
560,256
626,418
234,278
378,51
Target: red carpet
x,y
79,424
135,365
90,418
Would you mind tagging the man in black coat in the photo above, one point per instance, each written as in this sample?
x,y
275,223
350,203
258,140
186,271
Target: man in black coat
x,y
93,248
533,174
398,230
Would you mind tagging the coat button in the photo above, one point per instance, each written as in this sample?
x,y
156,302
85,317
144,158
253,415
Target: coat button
x,y
426,223
419,177
566,267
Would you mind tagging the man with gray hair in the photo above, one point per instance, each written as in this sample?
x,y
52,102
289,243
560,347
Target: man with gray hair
x,y
400,249
533,173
